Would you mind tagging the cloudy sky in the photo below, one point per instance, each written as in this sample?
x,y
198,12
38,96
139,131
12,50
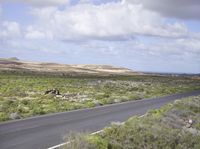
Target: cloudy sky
x,y
144,35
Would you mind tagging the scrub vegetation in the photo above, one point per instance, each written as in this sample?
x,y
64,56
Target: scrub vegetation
x,y
174,126
23,94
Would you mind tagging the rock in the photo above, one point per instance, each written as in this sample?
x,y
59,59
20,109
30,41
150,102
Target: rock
x,y
14,116
190,121
117,100
99,81
192,131
117,123
188,125
52,92
97,103
59,96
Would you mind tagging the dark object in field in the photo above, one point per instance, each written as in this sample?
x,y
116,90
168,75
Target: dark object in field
x,y
189,123
53,92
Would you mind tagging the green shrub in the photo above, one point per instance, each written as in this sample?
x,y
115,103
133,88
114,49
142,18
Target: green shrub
x,y
28,90
151,131
3,116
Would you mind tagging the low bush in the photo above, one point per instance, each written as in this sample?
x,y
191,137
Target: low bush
x,y
28,90
151,131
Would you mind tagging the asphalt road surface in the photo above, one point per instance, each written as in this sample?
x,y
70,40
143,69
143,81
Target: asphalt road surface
x,y
48,130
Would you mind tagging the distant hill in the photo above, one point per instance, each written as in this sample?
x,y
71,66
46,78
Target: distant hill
x,y
16,65
13,58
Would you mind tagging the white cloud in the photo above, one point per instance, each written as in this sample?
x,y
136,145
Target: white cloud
x,y
36,34
0,10
98,27
1,13
184,9
114,20
40,2
179,50
9,30
85,1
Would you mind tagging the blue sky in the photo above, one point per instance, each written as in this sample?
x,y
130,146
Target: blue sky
x,y
143,35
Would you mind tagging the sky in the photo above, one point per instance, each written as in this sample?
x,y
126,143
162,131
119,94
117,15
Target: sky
x,y
142,35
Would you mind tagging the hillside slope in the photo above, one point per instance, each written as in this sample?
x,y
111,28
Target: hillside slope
x,y
63,69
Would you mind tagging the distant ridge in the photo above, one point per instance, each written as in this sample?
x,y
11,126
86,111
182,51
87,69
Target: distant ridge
x,y
16,65
13,58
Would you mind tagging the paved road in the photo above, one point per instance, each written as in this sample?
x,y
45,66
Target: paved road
x,y
46,131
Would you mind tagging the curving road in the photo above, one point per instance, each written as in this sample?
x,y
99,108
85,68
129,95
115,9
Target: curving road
x,y
48,130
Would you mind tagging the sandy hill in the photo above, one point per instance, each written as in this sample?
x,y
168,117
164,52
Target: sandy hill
x,y
63,69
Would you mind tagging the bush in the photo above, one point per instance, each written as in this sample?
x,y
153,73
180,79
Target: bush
x,y
151,131
28,90
77,141
4,116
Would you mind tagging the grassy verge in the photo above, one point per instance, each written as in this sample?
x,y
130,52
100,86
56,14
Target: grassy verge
x,y
24,93
166,128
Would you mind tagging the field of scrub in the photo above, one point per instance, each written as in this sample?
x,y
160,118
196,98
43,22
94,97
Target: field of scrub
x,y
23,95
174,126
